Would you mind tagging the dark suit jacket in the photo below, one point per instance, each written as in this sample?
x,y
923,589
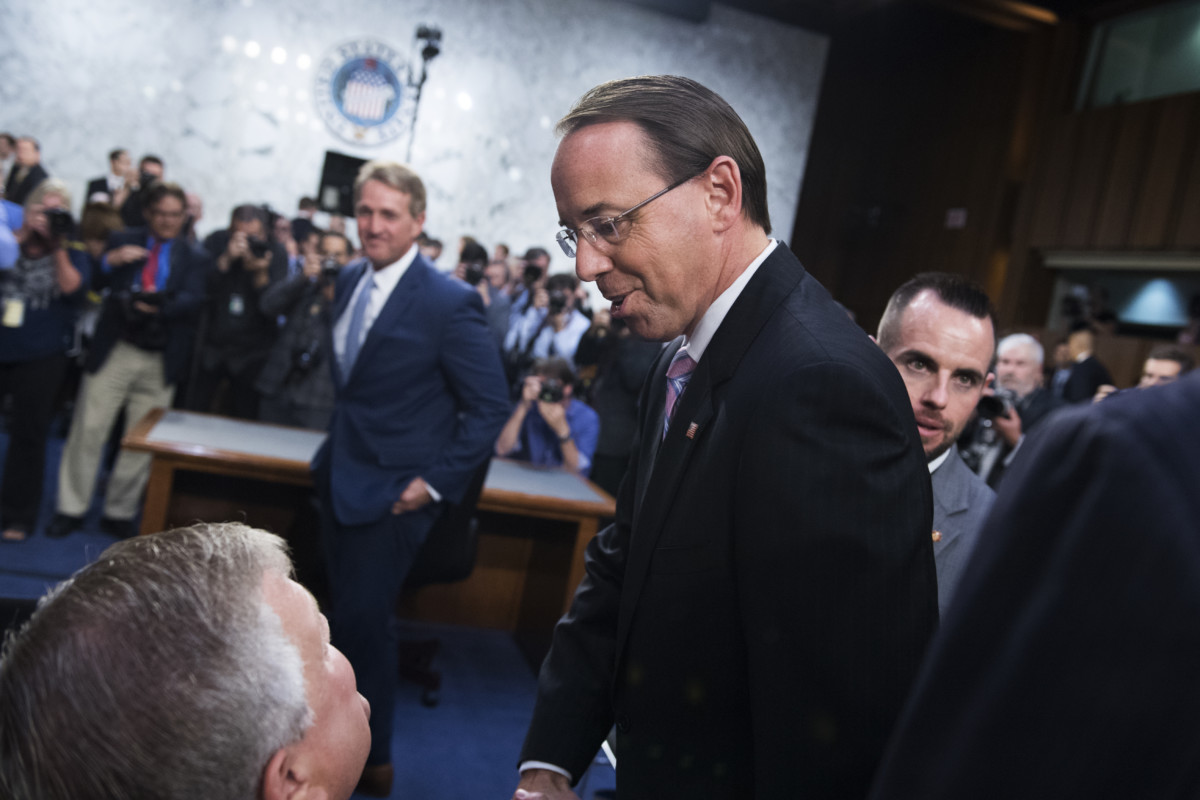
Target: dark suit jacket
x,y
1067,665
185,298
1086,377
426,397
95,186
18,192
754,618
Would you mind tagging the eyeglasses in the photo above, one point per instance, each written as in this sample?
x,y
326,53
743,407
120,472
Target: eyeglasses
x,y
603,232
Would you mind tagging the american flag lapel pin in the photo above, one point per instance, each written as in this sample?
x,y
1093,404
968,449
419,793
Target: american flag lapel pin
x,y
691,431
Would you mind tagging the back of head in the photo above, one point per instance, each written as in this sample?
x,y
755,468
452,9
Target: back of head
x,y
687,124
953,290
158,671
473,253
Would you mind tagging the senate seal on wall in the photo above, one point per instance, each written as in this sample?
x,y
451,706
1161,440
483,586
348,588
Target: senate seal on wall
x,y
362,92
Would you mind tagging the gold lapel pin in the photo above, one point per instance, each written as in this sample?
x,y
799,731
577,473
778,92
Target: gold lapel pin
x,y
937,536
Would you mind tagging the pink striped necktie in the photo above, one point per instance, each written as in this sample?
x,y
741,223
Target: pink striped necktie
x,y
678,375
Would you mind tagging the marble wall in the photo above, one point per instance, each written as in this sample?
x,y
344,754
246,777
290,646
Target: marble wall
x,y
223,91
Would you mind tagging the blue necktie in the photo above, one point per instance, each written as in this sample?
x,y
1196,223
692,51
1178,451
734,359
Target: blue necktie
x,y
354,336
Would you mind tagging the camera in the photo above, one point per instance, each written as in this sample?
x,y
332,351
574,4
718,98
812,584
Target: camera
x,y
329,268
552,391
60,222
558,301
259,247
142,328
996,405
474,273
532,274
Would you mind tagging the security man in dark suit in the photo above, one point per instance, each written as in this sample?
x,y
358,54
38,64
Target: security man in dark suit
x,y
421,397
753,619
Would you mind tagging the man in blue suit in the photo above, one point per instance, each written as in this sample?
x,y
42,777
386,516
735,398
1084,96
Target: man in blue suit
x,y
421,397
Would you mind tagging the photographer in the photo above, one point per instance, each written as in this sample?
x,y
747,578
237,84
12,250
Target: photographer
x,y
1009,410
40,292
552,326
296,384
472,269
238,336
548,426
143,341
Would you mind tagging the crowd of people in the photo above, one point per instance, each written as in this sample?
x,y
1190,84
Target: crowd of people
x,y
239,323
801,504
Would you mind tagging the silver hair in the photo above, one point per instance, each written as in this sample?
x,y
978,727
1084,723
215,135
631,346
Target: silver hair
x,y
54,186
159,671
1022,340
400,177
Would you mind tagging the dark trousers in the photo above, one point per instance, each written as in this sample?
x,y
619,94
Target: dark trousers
x,y
240,397
367,565
33,387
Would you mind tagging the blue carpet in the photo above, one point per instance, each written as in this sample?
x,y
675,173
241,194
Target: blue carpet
x,y
465,748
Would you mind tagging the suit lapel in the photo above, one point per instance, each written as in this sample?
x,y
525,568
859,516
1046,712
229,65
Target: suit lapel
x,y
394,308
669,462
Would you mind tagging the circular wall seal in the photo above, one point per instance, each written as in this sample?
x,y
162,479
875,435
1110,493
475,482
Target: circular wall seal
x,y
362,92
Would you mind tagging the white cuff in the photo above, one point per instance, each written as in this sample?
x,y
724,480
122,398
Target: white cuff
x,y
543,765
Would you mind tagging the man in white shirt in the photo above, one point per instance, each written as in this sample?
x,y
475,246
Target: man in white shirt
x,y
421,398
753,619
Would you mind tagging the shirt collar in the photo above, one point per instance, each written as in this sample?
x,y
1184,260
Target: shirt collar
x,y
697,343
937,462
387,278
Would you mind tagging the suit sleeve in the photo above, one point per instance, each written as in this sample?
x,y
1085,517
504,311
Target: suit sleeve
x,y
835,573
574,712
1067,665
471,365
189,299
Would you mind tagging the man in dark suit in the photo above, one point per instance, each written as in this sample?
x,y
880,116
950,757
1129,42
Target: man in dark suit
x,y
754,617
1087,373
992,442
421,398
26,173
140,351
112,188
938,330
1067,667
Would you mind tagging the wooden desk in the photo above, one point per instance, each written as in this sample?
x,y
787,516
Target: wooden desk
x,y
535,522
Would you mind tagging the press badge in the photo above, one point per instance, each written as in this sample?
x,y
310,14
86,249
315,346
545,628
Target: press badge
x,y
14,312
237,306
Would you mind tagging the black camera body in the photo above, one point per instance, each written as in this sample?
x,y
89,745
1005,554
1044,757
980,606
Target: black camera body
x,y
145,329
996,405
259,247
473,273
552,391
558,301
330,267
59,221
532,274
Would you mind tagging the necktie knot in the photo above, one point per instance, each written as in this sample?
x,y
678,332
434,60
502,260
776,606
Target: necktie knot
x,y
678,374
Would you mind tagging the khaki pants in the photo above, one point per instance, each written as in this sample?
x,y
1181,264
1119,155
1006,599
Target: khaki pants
x,y
131,378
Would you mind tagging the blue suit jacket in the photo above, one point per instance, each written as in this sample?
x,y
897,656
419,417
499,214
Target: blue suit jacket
x,y
425,398
185,297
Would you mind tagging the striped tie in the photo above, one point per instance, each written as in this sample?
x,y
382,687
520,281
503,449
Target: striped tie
x,y
678,375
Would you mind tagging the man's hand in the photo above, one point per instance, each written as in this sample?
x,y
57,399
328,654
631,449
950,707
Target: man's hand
x,y
541,298
1009,427
312,267
127,254
238,247
531,390
1104,391
414,496
555,415
542,784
